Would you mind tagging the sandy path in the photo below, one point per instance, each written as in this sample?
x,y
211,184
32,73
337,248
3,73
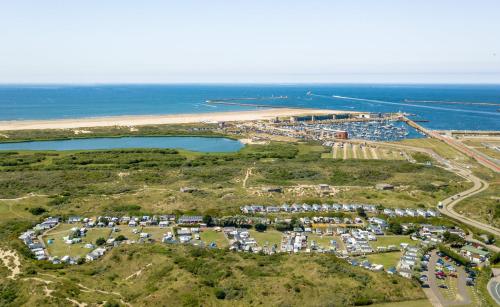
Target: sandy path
x,y
75,302
345,151
355,151
11,260
140,120
374,153
247,175
337,151
139,272
365,153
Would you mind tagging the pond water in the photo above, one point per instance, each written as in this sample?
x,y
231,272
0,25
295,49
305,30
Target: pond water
x,y
201,144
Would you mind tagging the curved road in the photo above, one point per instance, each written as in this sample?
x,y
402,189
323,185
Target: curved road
x,y
494,288
479,186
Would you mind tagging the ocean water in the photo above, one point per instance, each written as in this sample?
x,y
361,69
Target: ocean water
x,y
202,144
444,106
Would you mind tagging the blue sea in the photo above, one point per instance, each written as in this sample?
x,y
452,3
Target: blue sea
x,y
444,106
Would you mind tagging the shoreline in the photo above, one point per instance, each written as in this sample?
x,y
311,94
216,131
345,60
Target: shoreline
x,y
143,120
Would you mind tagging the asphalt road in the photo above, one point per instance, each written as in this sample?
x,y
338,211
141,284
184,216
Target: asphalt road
x,y
479,186
494,289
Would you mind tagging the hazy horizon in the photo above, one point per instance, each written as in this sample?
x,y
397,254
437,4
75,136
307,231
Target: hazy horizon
x,y
258,42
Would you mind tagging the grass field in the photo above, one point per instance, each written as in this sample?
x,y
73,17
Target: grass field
x,y
322,241
268,237
362,152
388,260
152,274
391,240
439,147
60,248
482,146
484,206
209,236
147,182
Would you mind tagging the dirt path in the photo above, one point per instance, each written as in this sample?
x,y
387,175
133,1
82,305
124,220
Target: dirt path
x,y
82,288
345,151
247,175
139,272
11,260
355,151
365,153
29,195
374,153
337,151
75,302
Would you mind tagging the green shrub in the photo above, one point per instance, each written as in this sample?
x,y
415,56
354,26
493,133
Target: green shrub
x,y
37,210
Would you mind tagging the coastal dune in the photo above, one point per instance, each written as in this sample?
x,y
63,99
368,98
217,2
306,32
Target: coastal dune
x,y
141,120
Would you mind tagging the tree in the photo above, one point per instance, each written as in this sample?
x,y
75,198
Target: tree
x,y
361,212
100,241
208,220
37,210
495,259
121,238
220,294
260,227
283,226
395,228
453,239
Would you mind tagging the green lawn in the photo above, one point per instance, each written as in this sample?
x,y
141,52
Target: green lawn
x,y
391,240
269,237
125,231
156,232
208,236
59,248
386,259
322,241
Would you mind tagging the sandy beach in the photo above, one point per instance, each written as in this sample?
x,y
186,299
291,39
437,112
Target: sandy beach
x,y
141,120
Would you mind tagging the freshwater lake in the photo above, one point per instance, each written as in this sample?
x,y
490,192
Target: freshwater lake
x,y
200,144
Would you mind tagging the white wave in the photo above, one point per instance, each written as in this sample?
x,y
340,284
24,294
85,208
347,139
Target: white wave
x,y
410,105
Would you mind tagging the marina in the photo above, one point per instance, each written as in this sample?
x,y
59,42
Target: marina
x,y
370,131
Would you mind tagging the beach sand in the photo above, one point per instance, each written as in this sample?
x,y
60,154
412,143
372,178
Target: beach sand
x,y
141,120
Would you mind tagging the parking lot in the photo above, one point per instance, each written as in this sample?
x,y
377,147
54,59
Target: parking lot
x,y
448,282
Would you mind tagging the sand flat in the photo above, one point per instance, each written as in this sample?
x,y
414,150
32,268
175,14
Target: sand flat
x,y
141,120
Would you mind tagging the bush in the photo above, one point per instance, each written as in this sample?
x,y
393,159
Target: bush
x,y
37,210
363,301
452,254
121,238
100,241
220,294
260,227
395,228
8,293
495,259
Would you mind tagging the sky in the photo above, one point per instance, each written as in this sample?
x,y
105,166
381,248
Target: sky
x,y
259,41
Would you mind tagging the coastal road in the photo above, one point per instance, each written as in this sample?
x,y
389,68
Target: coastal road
x,y
457,145
449,203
